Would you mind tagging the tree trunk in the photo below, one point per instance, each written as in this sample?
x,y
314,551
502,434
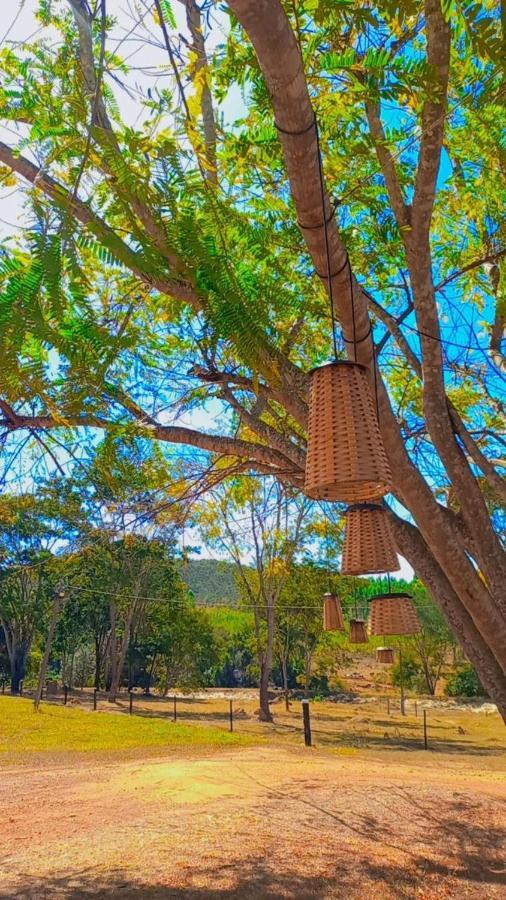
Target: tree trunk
x,y
70,680
98,663
55,614
113,654
120,661
265,714
266,667
18,665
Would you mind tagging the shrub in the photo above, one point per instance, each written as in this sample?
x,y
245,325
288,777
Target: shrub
x,y
411,671
464,683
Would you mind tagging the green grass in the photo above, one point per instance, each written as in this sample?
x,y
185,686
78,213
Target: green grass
x,y
56,729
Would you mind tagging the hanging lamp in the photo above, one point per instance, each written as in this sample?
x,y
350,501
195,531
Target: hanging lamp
x,y
393,614
385,655
358,631
345,459
333,619
368,543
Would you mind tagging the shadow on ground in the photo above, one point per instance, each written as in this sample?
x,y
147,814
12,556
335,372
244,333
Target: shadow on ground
x,y
424,848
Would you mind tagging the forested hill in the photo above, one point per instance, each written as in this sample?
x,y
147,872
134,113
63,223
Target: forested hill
x,y
210,580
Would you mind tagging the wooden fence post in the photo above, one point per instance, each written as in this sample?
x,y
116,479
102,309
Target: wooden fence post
x,y
307,722
401,677
131,702
94,698
174,717
231,714
425,742
65,694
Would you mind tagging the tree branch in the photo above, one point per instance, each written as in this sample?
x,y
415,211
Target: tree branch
x,y
489,258
433,117
401,209
275,461
180,290
272,438
200,70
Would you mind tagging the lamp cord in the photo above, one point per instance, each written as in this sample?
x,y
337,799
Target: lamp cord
x,y
325,222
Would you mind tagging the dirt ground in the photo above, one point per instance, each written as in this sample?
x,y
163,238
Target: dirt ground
x,y
259,822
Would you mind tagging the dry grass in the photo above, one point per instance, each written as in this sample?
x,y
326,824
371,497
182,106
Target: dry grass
x,y
347,727
68,729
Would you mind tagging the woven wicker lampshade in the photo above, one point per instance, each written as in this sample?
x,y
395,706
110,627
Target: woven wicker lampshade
x,y
333,619
385,655
358,632
345,456
368,543
393,614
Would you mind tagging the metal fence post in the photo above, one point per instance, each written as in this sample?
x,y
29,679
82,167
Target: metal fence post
x,y
425,742
307,722
231,714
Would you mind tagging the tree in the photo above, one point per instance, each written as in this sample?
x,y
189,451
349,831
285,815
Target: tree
x,y
220,278
434,641
56,608
29,529
301,609
261,525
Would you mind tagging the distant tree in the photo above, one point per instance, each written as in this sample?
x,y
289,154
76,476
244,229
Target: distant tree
x,y
434,642
29,529
261,525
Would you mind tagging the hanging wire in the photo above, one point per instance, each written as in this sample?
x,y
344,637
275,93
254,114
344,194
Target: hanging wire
x,y
327,552
375,373
325,223
350,274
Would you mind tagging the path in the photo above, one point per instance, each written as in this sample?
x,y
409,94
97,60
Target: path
x,y
261,822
